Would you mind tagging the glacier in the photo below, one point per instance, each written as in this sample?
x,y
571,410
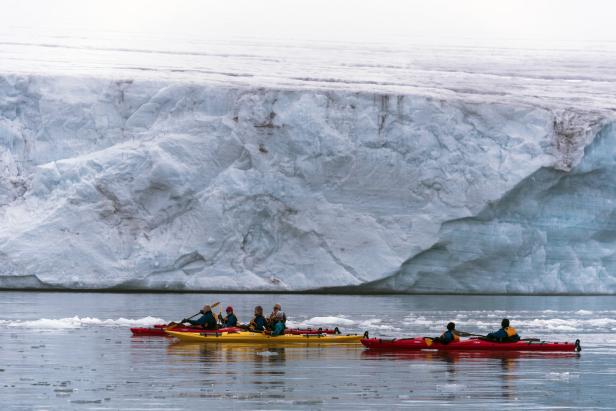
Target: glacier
x,y
471,182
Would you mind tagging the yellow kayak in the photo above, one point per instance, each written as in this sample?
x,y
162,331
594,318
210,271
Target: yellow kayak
x,y
258,338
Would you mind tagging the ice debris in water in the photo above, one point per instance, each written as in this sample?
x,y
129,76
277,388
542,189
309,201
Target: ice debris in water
x,y
78,322
584,312
267,353
324,321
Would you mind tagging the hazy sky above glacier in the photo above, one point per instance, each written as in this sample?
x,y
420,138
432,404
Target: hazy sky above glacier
x,y
434,20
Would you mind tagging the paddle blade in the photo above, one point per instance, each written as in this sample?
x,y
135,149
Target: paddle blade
x,y
428,341
216,304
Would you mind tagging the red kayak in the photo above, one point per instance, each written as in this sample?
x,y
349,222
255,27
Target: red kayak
x,y
472,344
159,330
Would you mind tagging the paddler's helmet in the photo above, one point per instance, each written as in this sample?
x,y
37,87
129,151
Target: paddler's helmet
x,y
505,323
277,307
451,326
206,309
229,309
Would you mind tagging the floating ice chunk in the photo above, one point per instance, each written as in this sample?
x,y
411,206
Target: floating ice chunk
x,y
267,353
584,312
325,321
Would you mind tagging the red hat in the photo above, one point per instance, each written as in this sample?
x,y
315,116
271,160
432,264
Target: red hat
x,y
229,308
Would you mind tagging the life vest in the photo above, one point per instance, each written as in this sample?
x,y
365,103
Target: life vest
x,y
511,332
209,321
454,336
258,323
278,329
230,320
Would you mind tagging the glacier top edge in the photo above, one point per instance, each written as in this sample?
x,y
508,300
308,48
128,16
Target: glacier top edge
x,y
581,78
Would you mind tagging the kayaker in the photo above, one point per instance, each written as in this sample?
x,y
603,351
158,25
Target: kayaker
x,y
271,321
450,335
230,320
207,319
505,334
258,322
278,327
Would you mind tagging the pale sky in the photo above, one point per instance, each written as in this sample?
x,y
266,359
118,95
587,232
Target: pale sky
x,y
528,20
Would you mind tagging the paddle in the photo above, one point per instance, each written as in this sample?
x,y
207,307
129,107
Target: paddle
x,y
174,325
430,340
465,334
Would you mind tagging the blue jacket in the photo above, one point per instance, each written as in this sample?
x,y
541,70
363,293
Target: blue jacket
x,y
230,321
447,337
207,321
258,323
508,334
278,329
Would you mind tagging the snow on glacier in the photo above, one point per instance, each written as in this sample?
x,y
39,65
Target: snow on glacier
x,y
392,178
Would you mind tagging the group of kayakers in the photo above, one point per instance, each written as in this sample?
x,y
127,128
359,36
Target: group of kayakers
x,y
505,334
274,324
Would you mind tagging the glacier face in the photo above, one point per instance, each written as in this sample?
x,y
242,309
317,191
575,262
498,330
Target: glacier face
x,y
178,185
553,233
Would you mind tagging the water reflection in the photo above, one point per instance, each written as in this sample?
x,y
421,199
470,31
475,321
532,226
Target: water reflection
x,y
274,355
499,372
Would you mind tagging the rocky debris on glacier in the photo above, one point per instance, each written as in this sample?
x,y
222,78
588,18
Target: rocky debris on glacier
x,y
176,185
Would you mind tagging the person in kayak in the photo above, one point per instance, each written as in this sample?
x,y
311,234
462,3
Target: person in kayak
x,y
450,335
207,319
271,321
258,323
278,326
230,320
505,334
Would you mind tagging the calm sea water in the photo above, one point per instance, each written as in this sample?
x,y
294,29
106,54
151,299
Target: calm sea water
x,y
75,351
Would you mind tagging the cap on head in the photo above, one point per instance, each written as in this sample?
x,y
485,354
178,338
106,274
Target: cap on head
x,y
451,326
229,309
505,323
277,307
206,308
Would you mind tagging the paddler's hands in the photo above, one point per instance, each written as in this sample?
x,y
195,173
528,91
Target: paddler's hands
x,y
185,320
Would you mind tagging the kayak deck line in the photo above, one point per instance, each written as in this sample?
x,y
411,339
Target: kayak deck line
x,y
158,330
472,344
260,338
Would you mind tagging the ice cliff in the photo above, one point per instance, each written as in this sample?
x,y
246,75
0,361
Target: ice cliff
x,y
186,185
